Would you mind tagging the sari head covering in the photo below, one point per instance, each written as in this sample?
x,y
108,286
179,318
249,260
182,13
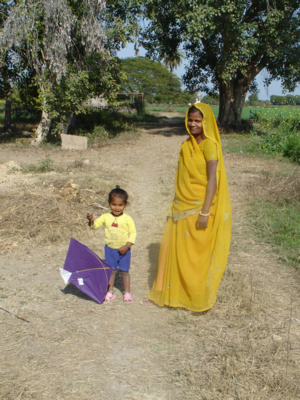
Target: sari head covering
x,y
192,261
191,177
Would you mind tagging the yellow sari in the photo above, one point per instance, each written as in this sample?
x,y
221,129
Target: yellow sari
x,y
192,261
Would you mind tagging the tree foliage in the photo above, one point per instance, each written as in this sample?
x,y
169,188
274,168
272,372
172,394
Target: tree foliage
x,y
152,79
53,33
212,100
285,100
227,43
175,61
68,46
253,99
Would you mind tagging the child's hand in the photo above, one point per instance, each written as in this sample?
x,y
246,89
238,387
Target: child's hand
x,y
90,217
123,249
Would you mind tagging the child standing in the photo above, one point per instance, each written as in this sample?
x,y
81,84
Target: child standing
x,y
120,235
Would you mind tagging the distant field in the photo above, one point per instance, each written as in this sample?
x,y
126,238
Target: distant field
x,y
275,113
178,109
269,113
156,108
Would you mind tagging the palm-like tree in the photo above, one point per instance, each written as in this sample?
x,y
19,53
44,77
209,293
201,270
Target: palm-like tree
x,y
174,61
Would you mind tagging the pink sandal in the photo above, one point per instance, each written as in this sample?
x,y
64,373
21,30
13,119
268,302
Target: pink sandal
x,y
109,297
127,298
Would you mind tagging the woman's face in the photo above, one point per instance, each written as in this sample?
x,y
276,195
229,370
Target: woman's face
x,y
195,124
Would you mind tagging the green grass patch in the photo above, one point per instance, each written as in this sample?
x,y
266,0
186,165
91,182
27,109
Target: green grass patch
x,y
43,166
242,144
279,225
156,108
276,207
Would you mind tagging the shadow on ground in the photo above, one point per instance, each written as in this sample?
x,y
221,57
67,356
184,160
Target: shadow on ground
x,y
8,137
71,289
170,127
153,252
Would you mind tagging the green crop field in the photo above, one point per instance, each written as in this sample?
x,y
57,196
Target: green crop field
x,y
276,113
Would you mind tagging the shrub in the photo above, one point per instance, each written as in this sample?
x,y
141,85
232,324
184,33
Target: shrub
x,y
139,106
45,165
291,148
99,135
276,133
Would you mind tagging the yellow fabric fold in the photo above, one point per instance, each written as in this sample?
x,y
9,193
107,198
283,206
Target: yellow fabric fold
x,y
192,261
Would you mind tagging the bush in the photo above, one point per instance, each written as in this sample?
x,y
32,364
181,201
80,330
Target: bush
x,y
275,134
99,135
139,106
291,148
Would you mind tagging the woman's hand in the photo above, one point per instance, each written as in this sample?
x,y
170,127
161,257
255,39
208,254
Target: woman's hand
x,y
90,217
202,222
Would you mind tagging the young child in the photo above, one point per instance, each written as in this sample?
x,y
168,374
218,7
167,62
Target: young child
x,y
120,235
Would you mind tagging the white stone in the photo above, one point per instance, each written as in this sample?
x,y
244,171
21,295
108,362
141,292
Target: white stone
x,y
72,142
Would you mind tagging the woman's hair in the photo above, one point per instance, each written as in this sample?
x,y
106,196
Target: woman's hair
x,y
194,109
117,192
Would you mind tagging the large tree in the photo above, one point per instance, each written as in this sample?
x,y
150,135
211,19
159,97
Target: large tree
x,y
69,45
227,43
153,79
6,71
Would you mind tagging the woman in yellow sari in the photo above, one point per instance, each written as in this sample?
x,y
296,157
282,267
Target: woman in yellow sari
x,y
195,244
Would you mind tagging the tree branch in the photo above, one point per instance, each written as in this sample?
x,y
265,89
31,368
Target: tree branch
x,y
11,312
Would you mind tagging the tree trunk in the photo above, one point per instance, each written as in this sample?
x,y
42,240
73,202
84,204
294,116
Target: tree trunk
x,y
71,122
7,116
231,103
43,129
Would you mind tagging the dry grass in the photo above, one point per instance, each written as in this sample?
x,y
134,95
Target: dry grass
x,y
239,349
278,188
50,214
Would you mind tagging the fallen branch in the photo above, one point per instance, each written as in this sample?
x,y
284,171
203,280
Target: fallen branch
x,y
11,312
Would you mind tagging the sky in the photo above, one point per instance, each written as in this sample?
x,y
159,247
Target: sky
x,y
264,93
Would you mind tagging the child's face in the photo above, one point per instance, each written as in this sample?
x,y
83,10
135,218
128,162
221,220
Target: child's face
x,y
117,206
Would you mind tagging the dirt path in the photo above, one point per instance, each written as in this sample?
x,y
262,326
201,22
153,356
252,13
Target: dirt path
x,y
246,347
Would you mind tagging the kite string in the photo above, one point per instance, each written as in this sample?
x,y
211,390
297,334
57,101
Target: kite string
x,y
94,241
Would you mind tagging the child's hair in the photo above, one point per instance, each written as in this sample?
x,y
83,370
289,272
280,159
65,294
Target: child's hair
x,y
117,192
194,109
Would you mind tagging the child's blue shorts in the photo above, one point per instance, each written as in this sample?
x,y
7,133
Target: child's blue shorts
x,y
115,259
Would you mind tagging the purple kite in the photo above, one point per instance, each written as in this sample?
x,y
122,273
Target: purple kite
x,y
85,270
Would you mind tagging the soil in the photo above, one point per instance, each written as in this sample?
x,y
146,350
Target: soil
x,y
246,347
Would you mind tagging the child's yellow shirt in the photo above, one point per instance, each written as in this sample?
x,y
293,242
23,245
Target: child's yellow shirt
x,y
117,236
